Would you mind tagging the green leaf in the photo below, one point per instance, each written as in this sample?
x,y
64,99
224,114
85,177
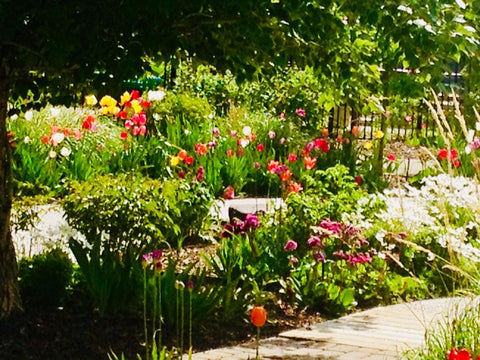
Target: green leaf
x,y
347,296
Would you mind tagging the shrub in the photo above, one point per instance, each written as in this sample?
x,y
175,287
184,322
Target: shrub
x,y
176,110
45,278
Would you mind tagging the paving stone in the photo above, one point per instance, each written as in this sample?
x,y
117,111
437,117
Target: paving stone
x,y
382,333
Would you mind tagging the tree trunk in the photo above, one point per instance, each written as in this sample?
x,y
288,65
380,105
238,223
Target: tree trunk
x,y
10,302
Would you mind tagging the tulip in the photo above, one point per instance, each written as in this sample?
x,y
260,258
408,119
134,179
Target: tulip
x,y
258,316
290,245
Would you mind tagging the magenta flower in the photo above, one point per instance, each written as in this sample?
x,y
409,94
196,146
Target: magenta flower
x,y
215,132
340,255
314,241
332,226
301,112
260,147
146,260
290,245
271,134
359,259
320,257
201,173
251,221
309,147
156,254
292,158
212,144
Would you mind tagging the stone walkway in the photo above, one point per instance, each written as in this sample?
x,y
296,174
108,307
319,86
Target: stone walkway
x,y
379,333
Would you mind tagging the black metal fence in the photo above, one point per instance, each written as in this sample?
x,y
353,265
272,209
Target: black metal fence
x,y
400,121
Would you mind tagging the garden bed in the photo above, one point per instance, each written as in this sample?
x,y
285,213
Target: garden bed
x,y
74,331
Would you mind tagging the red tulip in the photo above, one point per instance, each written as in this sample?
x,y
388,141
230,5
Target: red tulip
x,y
463,355
258,316
229,192
454,354
359,180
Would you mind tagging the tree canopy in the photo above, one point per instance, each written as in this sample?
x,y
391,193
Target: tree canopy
x,y
93,44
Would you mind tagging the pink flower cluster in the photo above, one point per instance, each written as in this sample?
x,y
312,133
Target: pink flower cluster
x,y
153,258
353,259
238,226
343,238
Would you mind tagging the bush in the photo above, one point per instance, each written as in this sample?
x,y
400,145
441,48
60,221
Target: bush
x,y
122,216
45,278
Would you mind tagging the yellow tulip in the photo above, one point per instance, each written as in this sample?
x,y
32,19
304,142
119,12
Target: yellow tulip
x,y
368,145
108,101
125,98
136,106
113,109
174,160
90,100
378,134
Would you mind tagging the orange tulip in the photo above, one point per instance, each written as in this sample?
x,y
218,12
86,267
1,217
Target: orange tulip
x,y
258,316
182,154
287,174
355,130
310,162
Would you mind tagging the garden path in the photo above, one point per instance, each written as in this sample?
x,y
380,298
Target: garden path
x,y
379,333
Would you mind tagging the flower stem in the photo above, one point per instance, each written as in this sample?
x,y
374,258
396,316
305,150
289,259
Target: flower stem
x,y
190,321
154,317
182,318
145,312
257,344
159,311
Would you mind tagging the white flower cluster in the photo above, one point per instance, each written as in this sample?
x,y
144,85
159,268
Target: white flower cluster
x,y
432,205
456,240
50,231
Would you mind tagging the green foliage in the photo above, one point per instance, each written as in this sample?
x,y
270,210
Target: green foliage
x,y
313,291
459,331
179,110
328,194
181,197
112,279
290,90
120,211
230,264
34,172
51,148
203,296
157,354
45,278
118,217
122,216
206,82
